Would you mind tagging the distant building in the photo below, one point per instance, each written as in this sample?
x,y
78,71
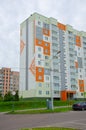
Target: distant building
x,y
9,80
43,72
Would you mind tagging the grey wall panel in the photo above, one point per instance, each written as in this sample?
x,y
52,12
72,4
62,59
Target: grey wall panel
x,y
39,33
27,54
79,62
62,60
74,39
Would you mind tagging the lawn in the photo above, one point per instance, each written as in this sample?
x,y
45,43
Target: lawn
x,y
30,104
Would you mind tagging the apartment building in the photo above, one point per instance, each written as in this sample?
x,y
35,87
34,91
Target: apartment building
x,y
45,71
9,80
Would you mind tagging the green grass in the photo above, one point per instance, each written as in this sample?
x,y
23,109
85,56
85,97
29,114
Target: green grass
x,y
49,128
41,111
30,104
21,105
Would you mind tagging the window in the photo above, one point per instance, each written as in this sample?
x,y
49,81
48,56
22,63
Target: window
x,y
80,76
39,23
46,44
40,77
76,70
56,78
39,55
54,44
46,31
73,86
40,92
71,55
47,71
39,48
84,38
45,25
55,70
81,94
79,54
39,42
40,69
72,79
69,32
54,32
46,64
47,77
56,92
47,92
46,38
72,73
47,85
40,84
80,70
56,84
46,50
54,38
39,62
78,48
46,57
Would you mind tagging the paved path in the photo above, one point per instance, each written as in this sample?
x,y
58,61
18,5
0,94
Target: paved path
x,y
76,119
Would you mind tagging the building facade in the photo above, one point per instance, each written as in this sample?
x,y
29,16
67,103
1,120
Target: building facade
x,y
9,80
44,71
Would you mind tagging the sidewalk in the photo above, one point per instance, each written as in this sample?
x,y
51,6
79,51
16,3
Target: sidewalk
x,y
34,109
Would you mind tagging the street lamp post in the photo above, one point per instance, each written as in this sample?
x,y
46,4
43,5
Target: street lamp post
x,y
13,93
52,106
51,85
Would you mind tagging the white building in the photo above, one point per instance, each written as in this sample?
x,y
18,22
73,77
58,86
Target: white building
x,y
42,70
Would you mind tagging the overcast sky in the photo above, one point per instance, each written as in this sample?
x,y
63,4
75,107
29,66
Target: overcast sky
x,y
13,12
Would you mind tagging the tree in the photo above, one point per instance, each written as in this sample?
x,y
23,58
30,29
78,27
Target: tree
x,y
1,98
8,97
17,96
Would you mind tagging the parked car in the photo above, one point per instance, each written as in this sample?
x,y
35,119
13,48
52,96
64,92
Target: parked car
x,y
79,106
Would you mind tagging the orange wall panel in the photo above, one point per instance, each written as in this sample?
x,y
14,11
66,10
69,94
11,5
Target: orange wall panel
x,y
46,48
32,67
81,85
22,44
76,64
46,32
39,42
39,74
61,26
45,45
78,41
63,95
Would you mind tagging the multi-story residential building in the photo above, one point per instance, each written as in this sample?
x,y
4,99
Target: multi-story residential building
x,y
9,80
42,70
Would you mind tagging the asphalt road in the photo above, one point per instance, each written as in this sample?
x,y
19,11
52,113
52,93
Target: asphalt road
x,y
75,119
